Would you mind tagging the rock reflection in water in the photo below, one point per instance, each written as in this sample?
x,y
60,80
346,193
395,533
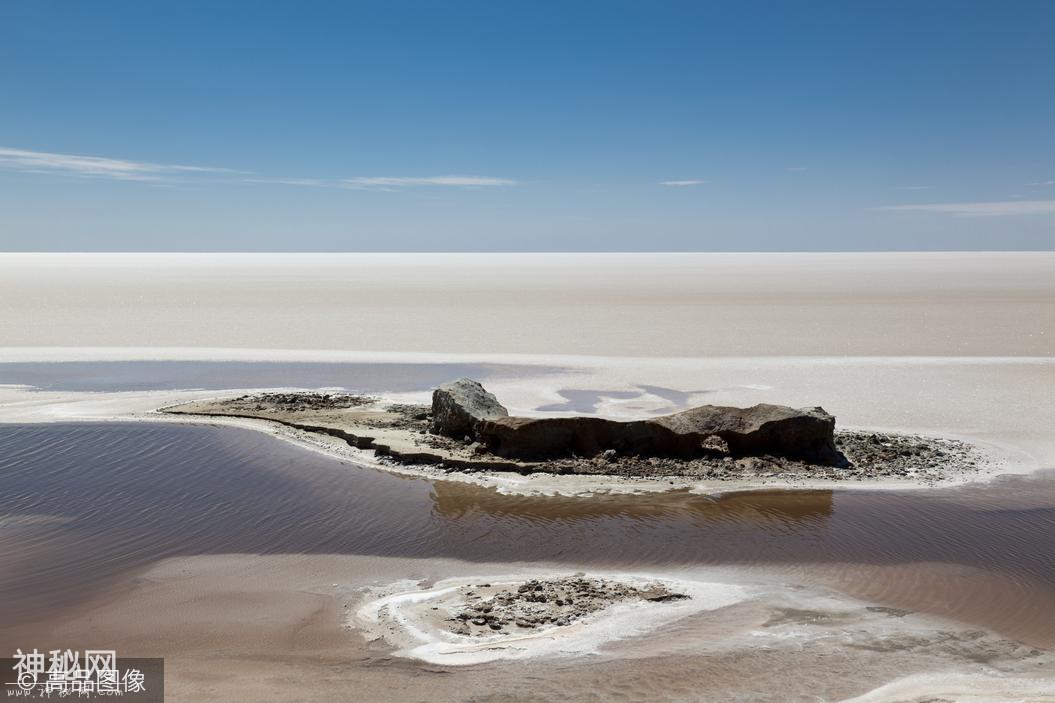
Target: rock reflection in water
x,y
793,509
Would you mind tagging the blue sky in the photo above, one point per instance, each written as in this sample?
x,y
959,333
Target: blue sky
x,y
528,126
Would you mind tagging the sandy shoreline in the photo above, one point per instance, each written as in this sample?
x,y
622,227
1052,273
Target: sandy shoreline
x,y
17,406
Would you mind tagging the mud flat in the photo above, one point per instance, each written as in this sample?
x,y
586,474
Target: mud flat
x,y
400,436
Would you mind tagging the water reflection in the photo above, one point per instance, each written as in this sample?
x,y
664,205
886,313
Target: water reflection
x,y
793,509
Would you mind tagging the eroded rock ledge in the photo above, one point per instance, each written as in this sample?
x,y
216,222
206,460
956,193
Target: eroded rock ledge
x,y
466,429
463,408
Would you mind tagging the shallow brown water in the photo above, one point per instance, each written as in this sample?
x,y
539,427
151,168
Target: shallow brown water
x,y
82,504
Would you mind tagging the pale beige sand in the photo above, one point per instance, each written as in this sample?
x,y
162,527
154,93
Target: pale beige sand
x,y
662,305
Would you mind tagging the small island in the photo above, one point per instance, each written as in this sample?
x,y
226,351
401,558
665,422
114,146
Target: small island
x,y
466,429
470,620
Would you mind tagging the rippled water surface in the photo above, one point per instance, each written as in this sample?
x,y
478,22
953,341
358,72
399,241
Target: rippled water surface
x,y
82,504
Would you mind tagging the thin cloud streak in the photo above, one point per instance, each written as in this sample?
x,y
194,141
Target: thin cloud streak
x,y
1001,208
404,181
43,162
681,184
307,182
49,163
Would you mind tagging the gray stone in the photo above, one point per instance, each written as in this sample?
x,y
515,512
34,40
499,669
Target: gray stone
x,y
458,407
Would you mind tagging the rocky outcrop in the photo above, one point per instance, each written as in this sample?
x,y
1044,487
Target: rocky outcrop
x,y
458,408
533,439
463,408
806,433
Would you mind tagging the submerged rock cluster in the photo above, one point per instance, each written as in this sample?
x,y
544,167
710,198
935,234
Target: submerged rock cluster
x,y
300,401
547,602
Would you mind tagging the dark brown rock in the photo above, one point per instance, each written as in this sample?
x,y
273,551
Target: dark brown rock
x,y
553,437
758,430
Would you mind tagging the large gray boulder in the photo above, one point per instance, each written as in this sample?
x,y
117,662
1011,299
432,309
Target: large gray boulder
x,y
806,433
458,407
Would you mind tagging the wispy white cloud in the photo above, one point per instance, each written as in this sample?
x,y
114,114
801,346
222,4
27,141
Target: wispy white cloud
x,y
307,182
42,162
94,166
681,184
1000,208
410,181
1041,183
